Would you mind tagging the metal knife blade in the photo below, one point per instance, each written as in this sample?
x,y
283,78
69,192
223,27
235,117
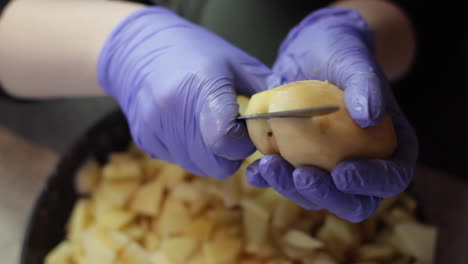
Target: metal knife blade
x,y
296,113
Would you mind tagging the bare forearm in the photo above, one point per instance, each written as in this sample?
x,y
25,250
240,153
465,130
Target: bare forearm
x,y
50,48
395,40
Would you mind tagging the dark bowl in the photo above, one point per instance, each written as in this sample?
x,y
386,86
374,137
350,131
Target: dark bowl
x,y
46,226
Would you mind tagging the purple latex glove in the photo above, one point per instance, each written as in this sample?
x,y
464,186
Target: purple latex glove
x,y
176,83
336,44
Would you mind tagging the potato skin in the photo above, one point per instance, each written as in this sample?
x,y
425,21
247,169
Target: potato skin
x,y
322,141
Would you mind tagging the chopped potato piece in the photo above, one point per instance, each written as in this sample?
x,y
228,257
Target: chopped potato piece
x,y
159,257
134,254
88,176
273,261
219,252
196,201
199,258
297,254
174,218
286,211
246,188
118,193
96,251
268,198
397,215
227,232
100,205
385,204
152,242
302,240
171,175
339,236
136,231
80,219
309,221
147,199
115,218
151,167
321,258
122,169
267,250
179,249
113,239
255,221
230,191
376,252
61,254
187,192
224,216
417,240
200,228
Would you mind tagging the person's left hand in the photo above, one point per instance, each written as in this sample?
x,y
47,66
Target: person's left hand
x,y
336,45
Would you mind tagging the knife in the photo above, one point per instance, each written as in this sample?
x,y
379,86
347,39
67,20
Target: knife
x,y
296,113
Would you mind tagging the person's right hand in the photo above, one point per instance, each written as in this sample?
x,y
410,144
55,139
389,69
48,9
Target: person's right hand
x,y
176,83
336,45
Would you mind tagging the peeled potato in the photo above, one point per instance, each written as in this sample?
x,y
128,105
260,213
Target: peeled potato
x,y
322,141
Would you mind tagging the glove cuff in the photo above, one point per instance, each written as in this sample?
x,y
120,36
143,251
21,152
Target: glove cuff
x,y
122,58
330,17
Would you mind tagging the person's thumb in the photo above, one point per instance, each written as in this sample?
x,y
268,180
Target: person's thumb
x,y
223,134
363,97
251,77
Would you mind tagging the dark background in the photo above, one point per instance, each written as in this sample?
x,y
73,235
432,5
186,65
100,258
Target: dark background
x,y
434,93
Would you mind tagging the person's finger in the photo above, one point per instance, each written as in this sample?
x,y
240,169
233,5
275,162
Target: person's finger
x,y
318,187
278,173
254,177
363,97
382,178
252,76
222,133
289,66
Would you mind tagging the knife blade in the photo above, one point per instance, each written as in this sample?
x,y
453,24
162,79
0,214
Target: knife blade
x,y
296,113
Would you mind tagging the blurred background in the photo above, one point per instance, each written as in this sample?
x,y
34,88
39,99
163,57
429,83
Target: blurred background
x,y
34,135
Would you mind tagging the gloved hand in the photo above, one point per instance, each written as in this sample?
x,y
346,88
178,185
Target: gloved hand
x,y
176,83
336,44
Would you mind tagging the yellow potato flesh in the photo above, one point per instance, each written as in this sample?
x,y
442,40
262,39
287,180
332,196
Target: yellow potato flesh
x,y
322,141
197,225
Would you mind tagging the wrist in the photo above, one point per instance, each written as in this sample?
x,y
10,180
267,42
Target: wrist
x,y
394,34
47,50
331,18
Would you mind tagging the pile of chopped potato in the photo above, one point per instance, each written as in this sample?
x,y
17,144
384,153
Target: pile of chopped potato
x,y
136,210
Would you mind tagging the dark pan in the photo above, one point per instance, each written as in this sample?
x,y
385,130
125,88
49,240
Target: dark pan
x,y
46,225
